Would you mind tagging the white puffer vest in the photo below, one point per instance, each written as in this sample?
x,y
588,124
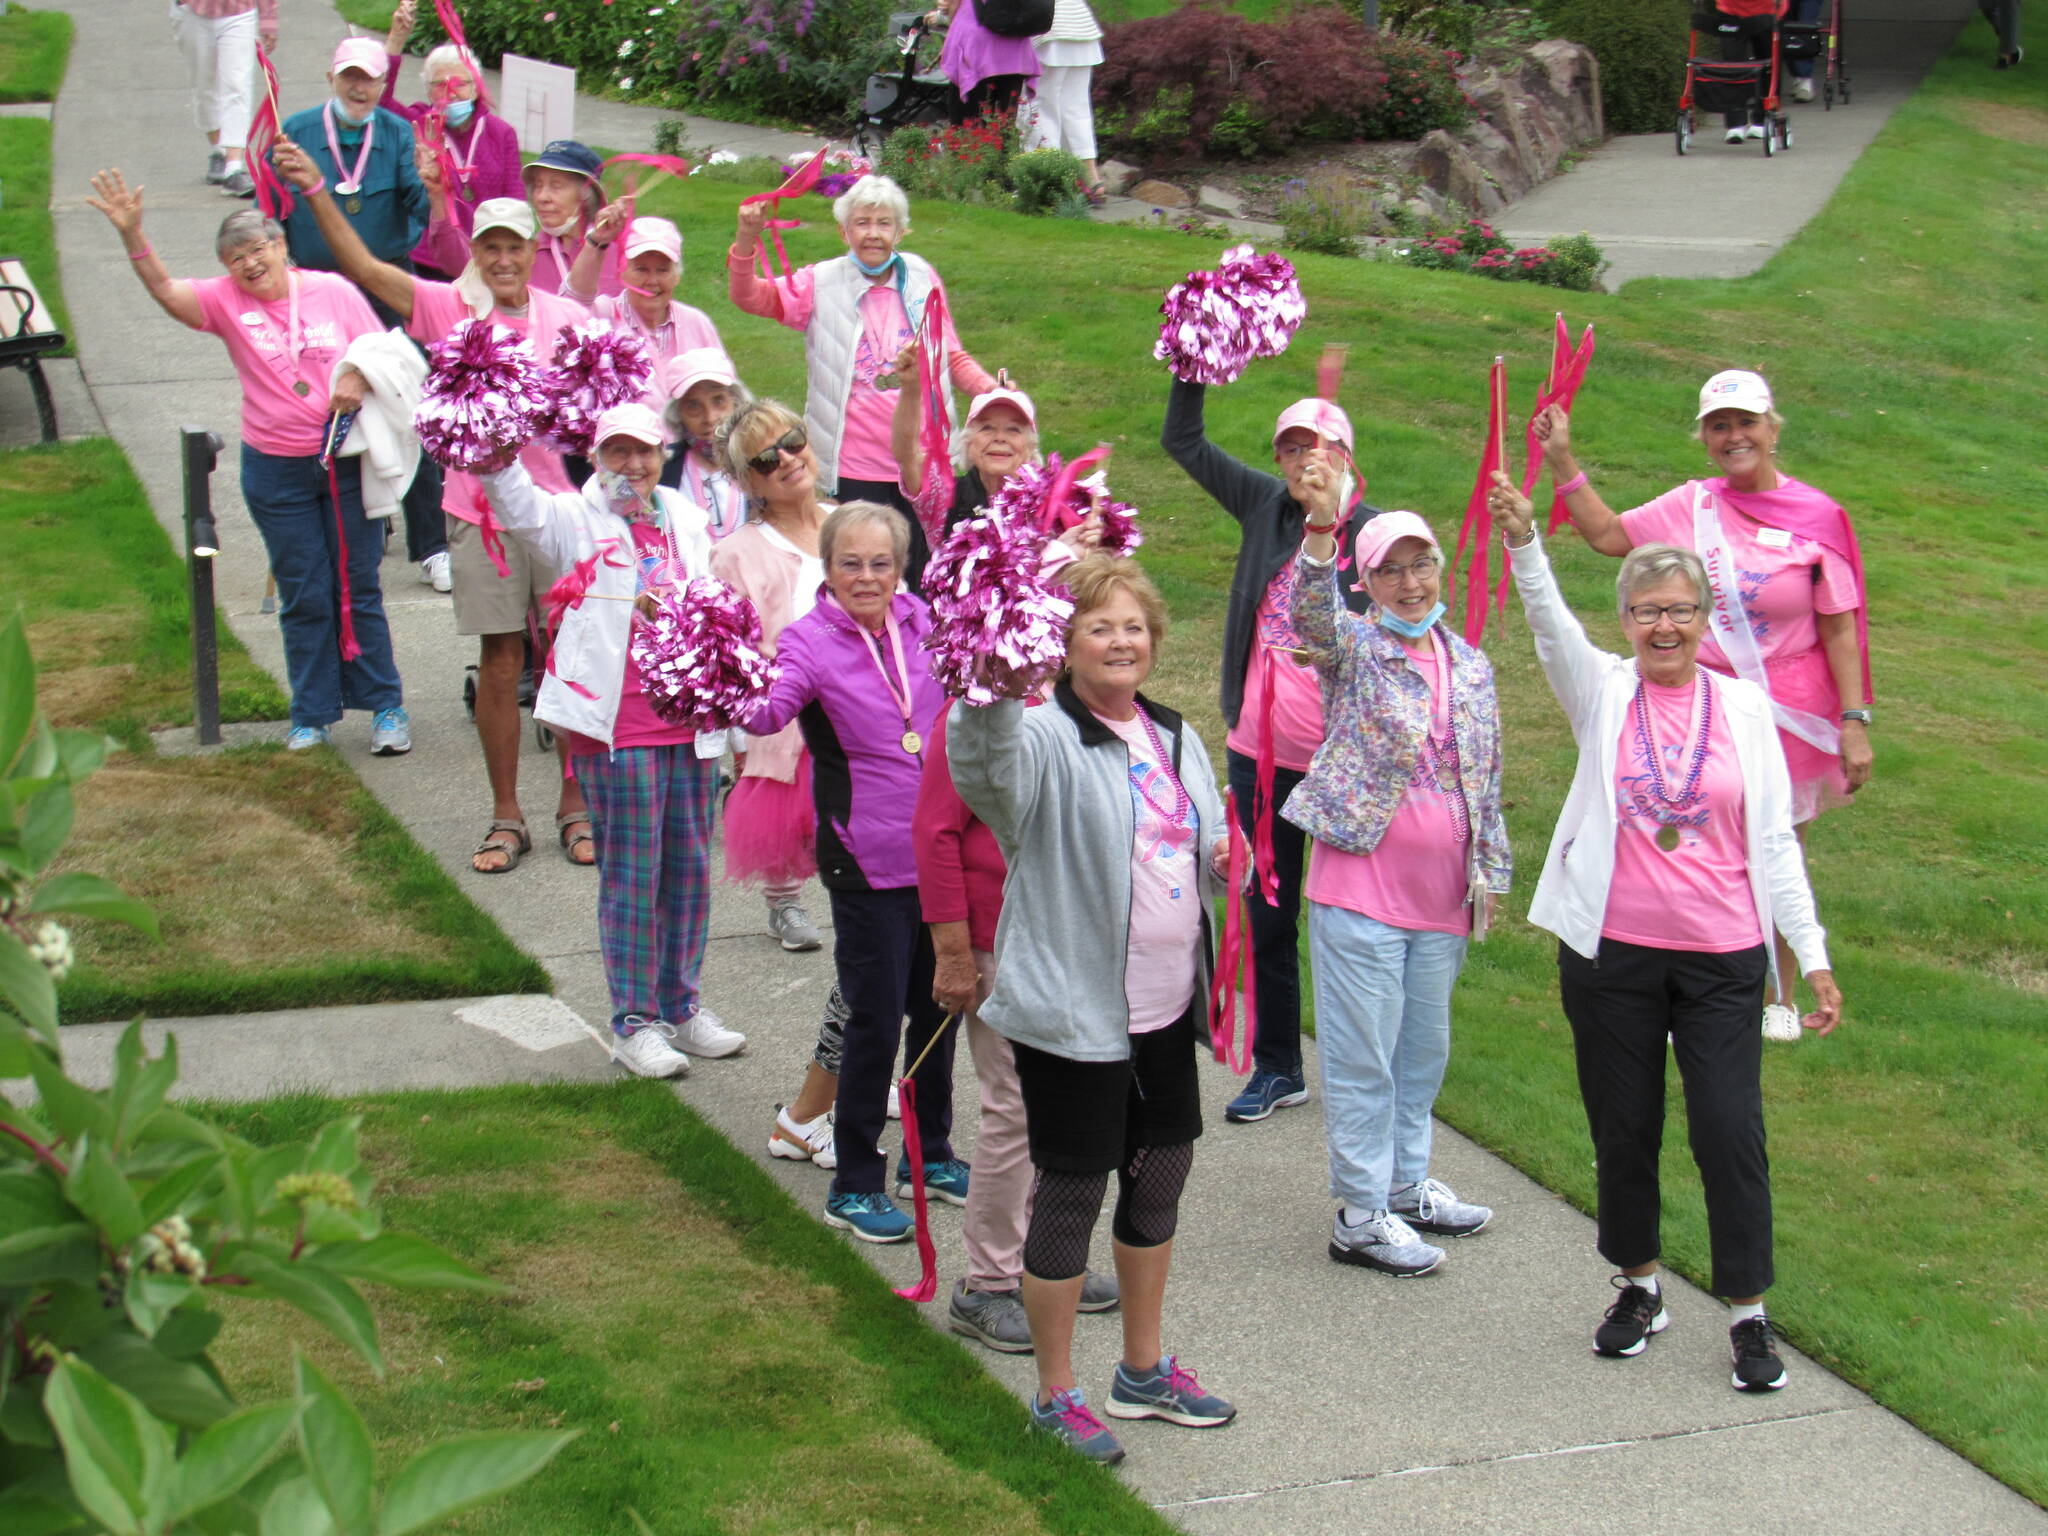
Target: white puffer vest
x,y
833,338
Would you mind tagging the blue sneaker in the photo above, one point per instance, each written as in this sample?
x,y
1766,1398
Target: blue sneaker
x,y
1266,1092
1070,1418
870,1216
390,733
945,1181
1170,1393
304,738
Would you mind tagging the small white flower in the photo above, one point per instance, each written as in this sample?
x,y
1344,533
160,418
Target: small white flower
x,y
721,157
52,946
626,83
627,47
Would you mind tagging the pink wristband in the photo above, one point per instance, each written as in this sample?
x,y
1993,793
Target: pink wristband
x,y
1570,485
142,255
321,186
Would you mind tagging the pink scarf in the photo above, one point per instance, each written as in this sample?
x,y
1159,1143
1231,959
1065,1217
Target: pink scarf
x,y
1809,514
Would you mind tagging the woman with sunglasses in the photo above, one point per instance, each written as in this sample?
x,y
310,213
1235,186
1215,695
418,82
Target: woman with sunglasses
x,y
1672,863
1402,801
855,677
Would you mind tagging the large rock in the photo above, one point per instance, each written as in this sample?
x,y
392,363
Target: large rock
x,y
1116,176
1532,113
1218,200
1160,194
1444,163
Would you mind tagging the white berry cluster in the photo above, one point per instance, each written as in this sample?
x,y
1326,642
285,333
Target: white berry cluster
x,y
167,1249
50,943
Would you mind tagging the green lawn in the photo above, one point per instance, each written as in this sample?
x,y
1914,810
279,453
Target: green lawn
x,y
33,48
734,1366
1904,332
25,229
279,879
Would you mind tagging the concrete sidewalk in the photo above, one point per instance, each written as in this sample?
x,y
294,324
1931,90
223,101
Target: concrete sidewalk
x,y
1467,1402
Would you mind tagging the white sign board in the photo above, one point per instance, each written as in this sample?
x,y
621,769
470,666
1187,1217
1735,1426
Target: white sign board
x,y
538,100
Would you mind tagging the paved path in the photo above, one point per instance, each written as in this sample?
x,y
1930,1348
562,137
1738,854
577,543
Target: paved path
x,y
1464,1403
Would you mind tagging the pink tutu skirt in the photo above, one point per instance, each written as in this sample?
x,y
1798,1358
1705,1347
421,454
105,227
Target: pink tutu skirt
x,y
771,830
1805,682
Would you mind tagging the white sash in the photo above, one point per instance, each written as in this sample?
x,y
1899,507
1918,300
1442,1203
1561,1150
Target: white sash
x,y
1731,625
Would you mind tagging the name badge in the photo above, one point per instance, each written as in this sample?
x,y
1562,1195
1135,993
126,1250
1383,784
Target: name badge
x,y
250,317
1774,538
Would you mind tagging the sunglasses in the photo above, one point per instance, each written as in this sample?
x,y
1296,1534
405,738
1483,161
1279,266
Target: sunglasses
x,y
791,442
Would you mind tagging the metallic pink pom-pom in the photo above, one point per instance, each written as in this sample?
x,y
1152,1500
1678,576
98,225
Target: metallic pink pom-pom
x,y
1021,502
999,627
484,394
1217,322
597,365
700,656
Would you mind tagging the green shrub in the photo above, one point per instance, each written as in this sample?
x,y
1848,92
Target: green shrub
x,y
1422,92
1452,24
1325,211
964,164
1574,262
1641,48
1044,179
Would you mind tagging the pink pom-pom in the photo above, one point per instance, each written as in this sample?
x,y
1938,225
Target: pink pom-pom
x,y
1217,322
999,628
700,656
597,365
484,394
1022,502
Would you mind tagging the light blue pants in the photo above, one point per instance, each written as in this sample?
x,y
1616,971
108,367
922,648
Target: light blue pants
x,y
1383,1030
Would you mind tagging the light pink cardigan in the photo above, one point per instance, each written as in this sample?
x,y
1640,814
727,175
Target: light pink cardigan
x,y
745,561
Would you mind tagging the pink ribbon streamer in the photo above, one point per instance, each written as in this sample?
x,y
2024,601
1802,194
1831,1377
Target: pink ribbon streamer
x,y
1478,514
567,594
493,536
1560,386
265,129
935,433
1233,963
927,1284
350,650
1064,507
800,181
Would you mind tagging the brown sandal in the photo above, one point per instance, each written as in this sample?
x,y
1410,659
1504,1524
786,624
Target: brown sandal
x,y
569,844
492,843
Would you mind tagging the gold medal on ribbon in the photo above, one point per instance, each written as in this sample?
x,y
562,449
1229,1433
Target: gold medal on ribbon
x,y
354,205
301,388
1667,838
913,743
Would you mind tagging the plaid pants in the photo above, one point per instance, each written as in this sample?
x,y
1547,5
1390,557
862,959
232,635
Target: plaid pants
x,y
650,811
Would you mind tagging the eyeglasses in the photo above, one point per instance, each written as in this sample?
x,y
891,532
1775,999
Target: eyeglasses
x,y
1422,567
852,566
791,442
256,250
1647,614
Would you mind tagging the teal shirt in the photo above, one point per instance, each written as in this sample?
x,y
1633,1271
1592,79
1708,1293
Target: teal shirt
x,y
393,215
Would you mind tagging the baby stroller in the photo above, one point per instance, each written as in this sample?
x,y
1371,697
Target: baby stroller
x,y
1820,41
1745,86
918,93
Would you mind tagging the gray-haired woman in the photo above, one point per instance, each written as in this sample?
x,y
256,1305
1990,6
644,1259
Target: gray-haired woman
x,y
857,313
285,331
1672,861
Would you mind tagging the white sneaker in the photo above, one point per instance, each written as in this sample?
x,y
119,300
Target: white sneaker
x,y
703,1033
434,572
895,1103
1756,131
647,1050
1781,1023
802,1142
1802,90
1383,1241
1737,135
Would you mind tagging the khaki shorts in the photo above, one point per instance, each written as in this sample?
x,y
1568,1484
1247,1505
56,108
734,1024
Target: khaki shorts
x,y
485,602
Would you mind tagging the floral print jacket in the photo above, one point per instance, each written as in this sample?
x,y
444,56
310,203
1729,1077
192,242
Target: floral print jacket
x,y
1376,712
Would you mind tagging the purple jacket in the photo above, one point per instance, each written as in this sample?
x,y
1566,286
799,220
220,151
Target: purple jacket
x,y
864,783
493,171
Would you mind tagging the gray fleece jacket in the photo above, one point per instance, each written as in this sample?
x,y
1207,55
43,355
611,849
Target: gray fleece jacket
x,y
1053,784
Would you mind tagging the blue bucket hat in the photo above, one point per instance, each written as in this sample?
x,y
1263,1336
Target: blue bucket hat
x,y
569,156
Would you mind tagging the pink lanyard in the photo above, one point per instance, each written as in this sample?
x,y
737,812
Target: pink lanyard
x,y
463,162
912,743
354,183
1443,683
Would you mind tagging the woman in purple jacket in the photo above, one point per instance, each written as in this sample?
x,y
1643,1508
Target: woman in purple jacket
x,y
855,678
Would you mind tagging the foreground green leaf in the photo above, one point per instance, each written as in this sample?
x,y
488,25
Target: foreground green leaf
x,y
83,895
97,1187
326,1298
337,1451
25,986
446,1479
398,1258
17,692
177,1390
294,1509
221,1461
116,1454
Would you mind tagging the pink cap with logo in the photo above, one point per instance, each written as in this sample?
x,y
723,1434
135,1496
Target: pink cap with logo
x,y
632,420
1383,532
1004,395
1325,418
1735,389
654,235
363,53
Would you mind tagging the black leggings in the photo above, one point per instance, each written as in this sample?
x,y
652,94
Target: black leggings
x,y
1064,1208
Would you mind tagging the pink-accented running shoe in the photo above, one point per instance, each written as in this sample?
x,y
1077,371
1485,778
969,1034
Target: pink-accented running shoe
x,y
1069,1417
1170,1392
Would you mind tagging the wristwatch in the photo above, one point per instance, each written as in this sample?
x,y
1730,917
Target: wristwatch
x,y
1856,714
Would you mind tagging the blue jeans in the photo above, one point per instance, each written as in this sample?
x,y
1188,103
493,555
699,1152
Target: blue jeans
x,y
1383,1026
287,498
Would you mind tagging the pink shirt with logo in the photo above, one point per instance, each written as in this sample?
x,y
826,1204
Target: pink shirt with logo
x,y
332,313
1297,693
1166,900
1696,896
1416,875
437,308
637,724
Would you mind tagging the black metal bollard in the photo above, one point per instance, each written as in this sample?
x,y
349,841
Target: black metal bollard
x,y
201,450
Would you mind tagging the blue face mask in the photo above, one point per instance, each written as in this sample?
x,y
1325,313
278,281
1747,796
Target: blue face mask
x,y
459,112
1412,631
346,113
868,271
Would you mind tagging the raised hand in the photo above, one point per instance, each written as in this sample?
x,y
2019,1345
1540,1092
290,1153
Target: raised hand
x,y
121,203
611,221
295,165
753,218
403,21
1553,429
1510,508
428,164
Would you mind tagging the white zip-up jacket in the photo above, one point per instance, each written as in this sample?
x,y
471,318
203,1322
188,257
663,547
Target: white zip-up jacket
x,y
1595,688
394,372
833,338
590,647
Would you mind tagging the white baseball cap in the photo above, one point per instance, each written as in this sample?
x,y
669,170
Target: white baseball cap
x,y
654,235
513,213
363,53
687,369
632,420
1002,394
1735,389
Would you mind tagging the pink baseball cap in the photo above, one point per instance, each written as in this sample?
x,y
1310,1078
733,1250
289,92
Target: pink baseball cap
x,y
1002,394
1383,532
363,53
654,235
632,420
1735,389
687,369
1323,417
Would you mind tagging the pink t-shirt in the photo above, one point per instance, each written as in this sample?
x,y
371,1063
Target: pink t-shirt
x,y
436,310
864,448
1695,896
257,334
1416,875
1166,899
637,724
1297,691
1785,579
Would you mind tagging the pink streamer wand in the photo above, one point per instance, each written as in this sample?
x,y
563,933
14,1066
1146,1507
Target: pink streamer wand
x,y
935,433
265,129
1478,514
1235,978
800,181
926,1286
351,649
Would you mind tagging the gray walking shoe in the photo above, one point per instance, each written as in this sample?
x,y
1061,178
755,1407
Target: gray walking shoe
x,y
1433,1207
792,925
994,1317
1100,1293
1383,1241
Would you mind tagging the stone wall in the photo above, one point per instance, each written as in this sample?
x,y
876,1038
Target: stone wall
x,y
1532,113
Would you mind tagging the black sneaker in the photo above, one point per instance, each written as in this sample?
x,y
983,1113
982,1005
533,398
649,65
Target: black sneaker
x,y
1755,1349
1637,1313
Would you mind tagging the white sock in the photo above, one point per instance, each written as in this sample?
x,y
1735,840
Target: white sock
x,y
1357,1215
1647,1282
1743,1313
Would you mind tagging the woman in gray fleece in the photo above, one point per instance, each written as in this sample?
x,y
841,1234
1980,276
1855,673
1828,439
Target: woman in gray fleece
x,y
1106,808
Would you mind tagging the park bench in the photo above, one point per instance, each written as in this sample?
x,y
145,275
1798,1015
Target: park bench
x,y
26,333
